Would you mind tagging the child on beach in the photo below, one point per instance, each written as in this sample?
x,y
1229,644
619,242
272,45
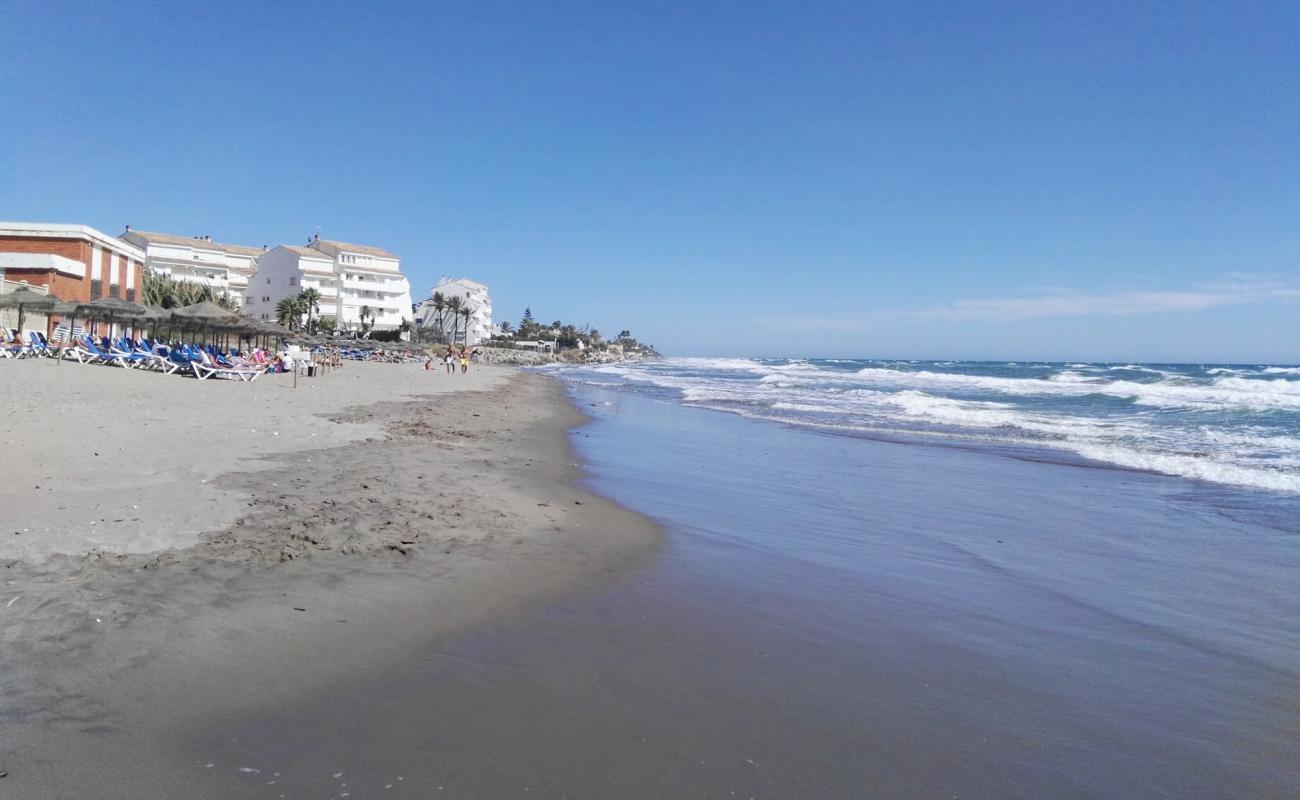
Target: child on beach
x,y
464,360
449,361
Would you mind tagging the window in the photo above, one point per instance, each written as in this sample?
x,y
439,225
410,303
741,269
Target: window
x,y
293,281
268,281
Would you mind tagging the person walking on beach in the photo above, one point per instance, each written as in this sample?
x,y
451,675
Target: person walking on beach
x,y
464,360
449,361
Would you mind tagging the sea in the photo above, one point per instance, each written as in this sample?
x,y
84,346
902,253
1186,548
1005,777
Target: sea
x,y
1230,424
883,579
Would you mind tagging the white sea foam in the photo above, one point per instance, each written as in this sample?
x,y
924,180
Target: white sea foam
x,y
701,364
1253,440
1223,393
812,408
1189,466
1126,445
1157,430
1070,376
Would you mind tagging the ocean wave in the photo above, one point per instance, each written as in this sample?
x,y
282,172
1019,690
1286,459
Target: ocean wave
x,y
1115,444
705,364
1200,467
1138,368
1252,440
1070,376
1222,394
1233,426
811,408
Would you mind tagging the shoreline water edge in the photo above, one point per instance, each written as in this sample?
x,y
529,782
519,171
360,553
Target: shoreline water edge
x,y
629,581
455,506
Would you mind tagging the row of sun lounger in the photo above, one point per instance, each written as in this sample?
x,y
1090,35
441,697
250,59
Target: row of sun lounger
x,y
203,362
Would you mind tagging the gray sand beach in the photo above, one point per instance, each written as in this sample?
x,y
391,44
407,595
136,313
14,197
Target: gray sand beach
x,y
228,547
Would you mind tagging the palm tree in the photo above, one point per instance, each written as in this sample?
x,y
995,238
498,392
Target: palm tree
x,y
288,312
467,311
454,305
310,299
157,290
366,313
188,293
439,306
326,325
505,328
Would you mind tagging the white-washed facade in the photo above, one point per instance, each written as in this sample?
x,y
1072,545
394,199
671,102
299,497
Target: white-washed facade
x,y
225,268
366,277
347,278
285,271
473,294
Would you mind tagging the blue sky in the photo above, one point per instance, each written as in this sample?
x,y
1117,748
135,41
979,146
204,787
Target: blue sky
x,y
982,180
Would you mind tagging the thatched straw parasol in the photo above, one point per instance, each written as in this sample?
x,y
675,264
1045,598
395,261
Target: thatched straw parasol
x,y
69,310
111,310
116,307
25,299
206,314
156,314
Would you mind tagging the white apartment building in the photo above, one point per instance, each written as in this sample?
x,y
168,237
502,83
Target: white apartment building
x,y
367,276
348,277
285,271
474,295
226,268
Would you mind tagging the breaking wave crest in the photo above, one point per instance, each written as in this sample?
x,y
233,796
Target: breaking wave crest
x,y
1224,424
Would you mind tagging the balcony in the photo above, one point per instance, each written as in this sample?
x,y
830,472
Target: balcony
x,y
384,287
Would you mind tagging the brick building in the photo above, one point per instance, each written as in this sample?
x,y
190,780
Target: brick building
x,y
75,262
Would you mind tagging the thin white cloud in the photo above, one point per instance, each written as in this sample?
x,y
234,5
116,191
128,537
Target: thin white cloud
x,y
1234,291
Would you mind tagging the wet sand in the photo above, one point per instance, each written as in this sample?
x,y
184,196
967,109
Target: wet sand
x,y
292,577
841,618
